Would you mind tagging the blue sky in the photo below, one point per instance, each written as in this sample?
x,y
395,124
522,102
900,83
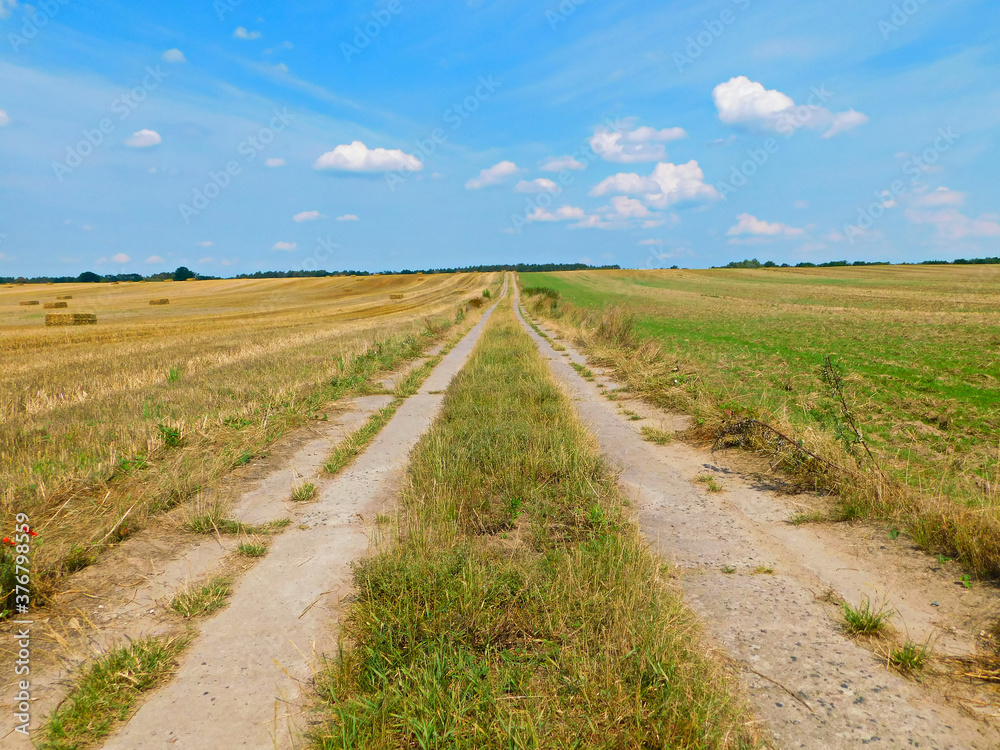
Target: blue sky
x,y
240,136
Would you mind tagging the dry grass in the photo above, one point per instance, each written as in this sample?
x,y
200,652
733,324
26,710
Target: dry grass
x,y
92,431
70,319
742,352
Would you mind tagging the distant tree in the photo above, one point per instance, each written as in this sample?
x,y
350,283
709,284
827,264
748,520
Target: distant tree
x,y
88,277
184,273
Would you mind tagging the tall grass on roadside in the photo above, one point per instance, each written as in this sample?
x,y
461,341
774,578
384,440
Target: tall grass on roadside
x,y
516,605
819,455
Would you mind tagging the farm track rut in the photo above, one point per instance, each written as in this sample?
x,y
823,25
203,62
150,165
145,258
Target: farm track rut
x,y
240,684
810,684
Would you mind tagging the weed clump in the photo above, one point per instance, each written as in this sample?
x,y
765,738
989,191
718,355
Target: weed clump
x,y
866,619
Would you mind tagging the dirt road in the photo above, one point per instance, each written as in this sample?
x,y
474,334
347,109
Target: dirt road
x,y
240,683
811,685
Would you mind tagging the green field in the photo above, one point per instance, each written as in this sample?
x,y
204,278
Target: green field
x,y
919,346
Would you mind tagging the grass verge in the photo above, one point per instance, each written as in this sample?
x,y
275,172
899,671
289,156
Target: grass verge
x,y
514,605
202,600
106,692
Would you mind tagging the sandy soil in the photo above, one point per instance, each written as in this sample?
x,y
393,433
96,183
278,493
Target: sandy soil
x,y
811,685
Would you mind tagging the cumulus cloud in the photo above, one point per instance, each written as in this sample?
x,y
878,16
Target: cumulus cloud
x,y
563,213
941,197
629,208
308,216
348,217
6,6
357,157
493,175
561,163
4,118
632,146
746,224
540,185
120,258
242,33
174,56
288,246
745,103
952,224
154,259
144,139
669,184
274,162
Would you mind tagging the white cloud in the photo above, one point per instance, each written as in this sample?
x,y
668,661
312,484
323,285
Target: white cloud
x,y
144,139
801,204
493,175
206,243
308,216
540,185
357,157
348,217
645,243
174,56
206,260
154,259
629,208
242,33
289,246
844,121
87,228
751,225
633,146
941,197
747,103
952,224
667,185
4,118
563,213
560,163
274,162
120,258
280,68
6,6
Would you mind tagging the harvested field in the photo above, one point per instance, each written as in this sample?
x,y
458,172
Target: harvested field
x,y
70,319
100,423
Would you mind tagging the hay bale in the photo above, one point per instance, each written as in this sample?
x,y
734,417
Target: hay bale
x,y
30,302
55,305
191,279
70,319
65,296
163,301
396,296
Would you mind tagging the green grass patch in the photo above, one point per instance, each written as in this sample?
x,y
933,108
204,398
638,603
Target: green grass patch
x,y
202,600
910,657
303,492
517,605
866,619
104,694
660,437
251,549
